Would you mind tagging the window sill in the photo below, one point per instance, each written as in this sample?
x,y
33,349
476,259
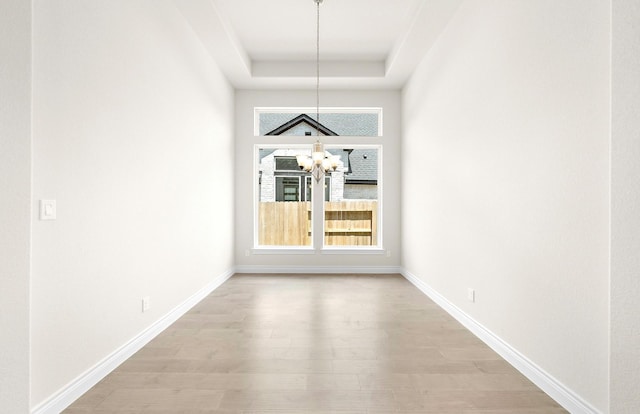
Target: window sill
x,y
284,250
351,250
312,251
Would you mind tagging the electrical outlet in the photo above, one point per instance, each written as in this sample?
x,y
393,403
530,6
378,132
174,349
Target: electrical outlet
x,y
247,253
471,295
47,209
388,253
146,303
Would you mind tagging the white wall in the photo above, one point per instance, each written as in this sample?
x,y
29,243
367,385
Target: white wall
x,y
15,192
506,179
625,204
246,101
133,127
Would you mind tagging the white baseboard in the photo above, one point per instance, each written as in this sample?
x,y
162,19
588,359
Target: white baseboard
x,y
319,269
554,388
71,392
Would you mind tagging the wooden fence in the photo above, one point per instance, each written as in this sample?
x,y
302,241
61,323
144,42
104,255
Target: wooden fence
x,y
347,223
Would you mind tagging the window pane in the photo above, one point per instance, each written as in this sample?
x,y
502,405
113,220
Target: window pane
x,y
284,210
351,214
287,164
356,123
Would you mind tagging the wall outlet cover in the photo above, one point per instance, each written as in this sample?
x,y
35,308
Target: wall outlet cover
x,y
48,210
146,303
471,295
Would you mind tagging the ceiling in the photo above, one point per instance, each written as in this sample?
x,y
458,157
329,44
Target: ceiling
x,y
373,44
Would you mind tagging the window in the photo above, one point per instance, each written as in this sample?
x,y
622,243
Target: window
x,y
349,214
350,209
286,164
284,205
288,180
288,189
355,122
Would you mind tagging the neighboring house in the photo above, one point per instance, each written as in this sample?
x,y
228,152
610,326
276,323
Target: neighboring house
x,y
282,180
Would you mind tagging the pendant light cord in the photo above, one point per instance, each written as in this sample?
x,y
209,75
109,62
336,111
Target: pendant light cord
x,y
318,67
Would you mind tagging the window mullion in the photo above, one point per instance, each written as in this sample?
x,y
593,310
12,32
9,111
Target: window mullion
x,y
317,213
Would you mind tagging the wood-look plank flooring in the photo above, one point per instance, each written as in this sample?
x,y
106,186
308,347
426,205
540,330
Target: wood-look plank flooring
x,y
311,344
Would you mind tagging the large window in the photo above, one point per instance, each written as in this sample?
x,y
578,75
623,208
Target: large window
x,y
289,212
350,207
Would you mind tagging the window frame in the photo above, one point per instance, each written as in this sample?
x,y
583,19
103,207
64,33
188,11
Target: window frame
x,y
378,248
304,141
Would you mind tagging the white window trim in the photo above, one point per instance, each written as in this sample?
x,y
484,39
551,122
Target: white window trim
x,y
349,250
267,250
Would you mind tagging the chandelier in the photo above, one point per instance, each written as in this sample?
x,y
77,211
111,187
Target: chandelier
x,y
319,164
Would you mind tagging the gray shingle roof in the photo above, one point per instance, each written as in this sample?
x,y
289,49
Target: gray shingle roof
x,y
364,165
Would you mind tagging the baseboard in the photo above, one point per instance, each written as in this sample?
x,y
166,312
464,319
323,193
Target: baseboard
x,y
319,269
67,395
554,388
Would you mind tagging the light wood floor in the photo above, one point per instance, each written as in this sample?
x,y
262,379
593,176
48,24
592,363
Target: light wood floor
x,y
345,344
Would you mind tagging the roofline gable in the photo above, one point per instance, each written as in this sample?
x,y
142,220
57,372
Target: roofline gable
x,y
297,121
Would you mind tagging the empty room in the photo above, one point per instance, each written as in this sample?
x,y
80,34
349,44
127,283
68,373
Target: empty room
x,y
320,206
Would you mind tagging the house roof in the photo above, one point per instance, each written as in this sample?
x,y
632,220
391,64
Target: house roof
x,y
363,164
302,118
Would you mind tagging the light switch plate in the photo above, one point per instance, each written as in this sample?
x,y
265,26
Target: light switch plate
x,y
47,209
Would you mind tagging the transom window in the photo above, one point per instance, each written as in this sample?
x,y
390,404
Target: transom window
x,y
354,122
